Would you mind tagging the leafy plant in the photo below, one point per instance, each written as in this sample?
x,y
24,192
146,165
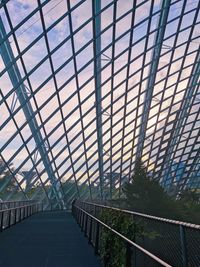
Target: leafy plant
x,y
145,195
7,182
112,247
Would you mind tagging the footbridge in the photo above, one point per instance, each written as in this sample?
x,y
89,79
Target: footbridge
x,y
32,236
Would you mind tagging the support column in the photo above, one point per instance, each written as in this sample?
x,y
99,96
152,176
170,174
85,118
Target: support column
x,y
97,70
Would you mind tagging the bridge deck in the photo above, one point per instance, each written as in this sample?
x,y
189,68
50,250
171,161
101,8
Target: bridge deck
x,y
48,239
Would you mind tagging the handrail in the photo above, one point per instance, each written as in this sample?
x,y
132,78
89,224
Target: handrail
x,y
17,201
185,252
128,241
11,216
9,209
14,204
196,226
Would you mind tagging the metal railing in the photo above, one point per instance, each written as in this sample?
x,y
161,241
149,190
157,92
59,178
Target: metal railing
x,y
12,215
93,227
44,206
177,243
15,204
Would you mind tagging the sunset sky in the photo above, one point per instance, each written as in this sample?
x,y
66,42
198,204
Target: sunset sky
x,y
63,91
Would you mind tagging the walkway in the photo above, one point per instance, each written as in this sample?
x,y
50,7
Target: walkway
x,y
48,239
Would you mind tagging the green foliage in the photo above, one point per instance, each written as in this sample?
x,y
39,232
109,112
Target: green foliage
x,y
145,195
190,196
190,206
7,183
112,247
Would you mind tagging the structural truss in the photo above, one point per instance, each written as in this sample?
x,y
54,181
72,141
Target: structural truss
x,y
86,87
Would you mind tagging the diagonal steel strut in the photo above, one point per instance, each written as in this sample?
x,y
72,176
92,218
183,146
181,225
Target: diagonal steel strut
x,y
97,68
153,72
22,95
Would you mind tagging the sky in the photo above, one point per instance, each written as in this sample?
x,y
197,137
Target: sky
x,y
116,124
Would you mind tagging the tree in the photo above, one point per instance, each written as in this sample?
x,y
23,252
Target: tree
x,y
112,247
144,194
190,205
190,196
7,183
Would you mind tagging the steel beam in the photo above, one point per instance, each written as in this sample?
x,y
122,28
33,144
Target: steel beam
x,y
183,113
97,73
22,95
193,173
152,74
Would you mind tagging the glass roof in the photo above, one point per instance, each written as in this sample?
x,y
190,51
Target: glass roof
x,y
87,86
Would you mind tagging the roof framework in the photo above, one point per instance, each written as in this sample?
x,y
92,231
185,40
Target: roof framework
x,y
88,86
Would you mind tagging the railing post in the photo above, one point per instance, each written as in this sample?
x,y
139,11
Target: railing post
x,y
2,214
90,232
73,208
73,211
76,212
134,240
128,255
183,246
83,221
95,211
86,224
20,214
9,217
15,215
78,216
96,246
